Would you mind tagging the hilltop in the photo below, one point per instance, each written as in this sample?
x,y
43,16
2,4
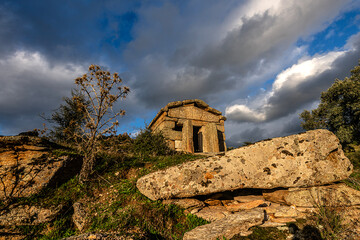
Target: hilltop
x,y
53,204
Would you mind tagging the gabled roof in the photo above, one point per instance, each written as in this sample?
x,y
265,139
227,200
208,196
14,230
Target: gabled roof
x,y
199,103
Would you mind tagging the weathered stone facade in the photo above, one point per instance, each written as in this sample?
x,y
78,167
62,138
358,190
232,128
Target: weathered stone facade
x,y
191,126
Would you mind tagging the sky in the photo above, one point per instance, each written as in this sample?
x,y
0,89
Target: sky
x,y
259,62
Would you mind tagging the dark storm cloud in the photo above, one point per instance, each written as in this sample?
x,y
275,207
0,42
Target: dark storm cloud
x,y
72,31
252,134
44,45
243,41
168,63
167,50
291,126
289,100
29,87
158,57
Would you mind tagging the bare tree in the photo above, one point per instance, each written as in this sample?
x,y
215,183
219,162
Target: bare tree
x,y
101,90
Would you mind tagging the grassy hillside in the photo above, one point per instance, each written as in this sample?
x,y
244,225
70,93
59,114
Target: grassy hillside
x,y
113,203
111,198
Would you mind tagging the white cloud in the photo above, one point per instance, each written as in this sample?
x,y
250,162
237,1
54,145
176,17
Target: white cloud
x,y
294,89
30,85
221,52
241,113
304,70
289,80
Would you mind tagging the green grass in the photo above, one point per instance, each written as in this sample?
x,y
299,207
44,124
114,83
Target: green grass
x,y
66,194
260,233
60,228
354,156
111,197
115,205
151,217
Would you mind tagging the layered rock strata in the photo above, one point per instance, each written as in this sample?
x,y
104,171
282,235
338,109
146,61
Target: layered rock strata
x,y
27,165
278,208
332,195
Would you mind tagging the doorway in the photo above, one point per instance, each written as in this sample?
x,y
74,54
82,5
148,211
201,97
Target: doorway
x,y
221,141
197,139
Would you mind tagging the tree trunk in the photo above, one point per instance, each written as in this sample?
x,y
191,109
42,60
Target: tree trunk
x,y
87,167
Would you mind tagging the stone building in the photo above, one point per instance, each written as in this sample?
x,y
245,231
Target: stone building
x,y
191,126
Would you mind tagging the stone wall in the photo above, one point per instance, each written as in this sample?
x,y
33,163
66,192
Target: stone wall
x,y
178,120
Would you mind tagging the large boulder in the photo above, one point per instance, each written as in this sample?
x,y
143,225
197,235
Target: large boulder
x,y
308,159
28,164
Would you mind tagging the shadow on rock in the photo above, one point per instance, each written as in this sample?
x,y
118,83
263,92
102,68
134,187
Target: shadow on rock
x,y
307,233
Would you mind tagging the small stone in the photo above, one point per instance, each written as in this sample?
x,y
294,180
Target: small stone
x,y
248,198
186,203
272,224
286,212
272,208
238,223
213,213
244,206
283,220
213,202
80,216
226,202
195,210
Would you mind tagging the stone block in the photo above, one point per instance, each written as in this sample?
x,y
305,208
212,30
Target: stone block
x,y
178,144
227,227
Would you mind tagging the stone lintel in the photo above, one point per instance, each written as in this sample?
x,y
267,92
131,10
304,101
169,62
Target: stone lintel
x,y
196,102
195,121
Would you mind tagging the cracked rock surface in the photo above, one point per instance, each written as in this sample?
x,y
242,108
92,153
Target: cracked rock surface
x,y
308,159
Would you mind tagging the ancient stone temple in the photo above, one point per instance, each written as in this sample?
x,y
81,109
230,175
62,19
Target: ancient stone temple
x,y
191,126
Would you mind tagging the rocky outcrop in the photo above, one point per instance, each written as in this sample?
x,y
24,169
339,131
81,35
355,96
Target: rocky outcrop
x,y
228,227
300,203
309,159
239,189
333,195
27,215
101,236
27,165
80,216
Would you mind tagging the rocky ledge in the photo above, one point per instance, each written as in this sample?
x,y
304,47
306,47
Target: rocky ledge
x,y
309,159
27,165
266,184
